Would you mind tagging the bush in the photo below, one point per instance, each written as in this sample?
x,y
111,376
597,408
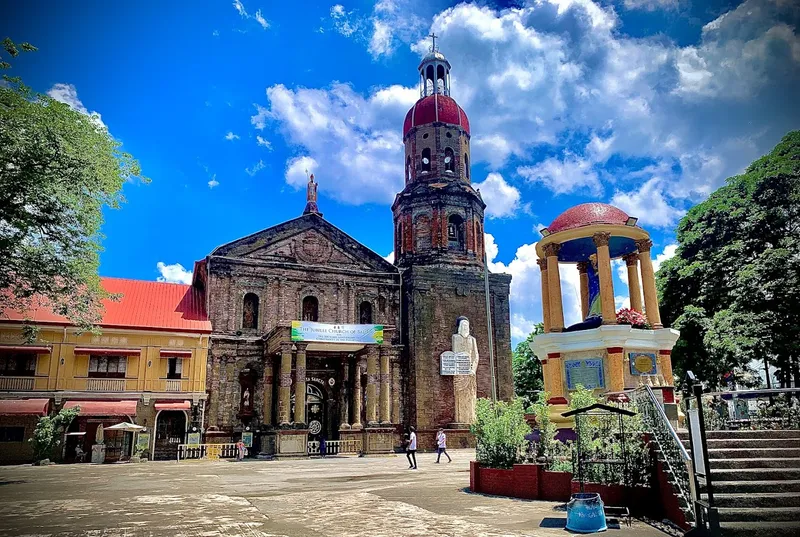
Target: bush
x,y
48,432
500,431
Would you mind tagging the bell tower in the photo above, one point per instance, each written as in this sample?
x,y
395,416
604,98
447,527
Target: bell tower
x,y
438,216
439,247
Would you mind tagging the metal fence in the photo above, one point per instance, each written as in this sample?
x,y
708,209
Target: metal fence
x,y
206,451
335,447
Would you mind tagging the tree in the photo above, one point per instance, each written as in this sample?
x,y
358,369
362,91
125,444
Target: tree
x,y
527,369
58,169
733,287
48,432
11,49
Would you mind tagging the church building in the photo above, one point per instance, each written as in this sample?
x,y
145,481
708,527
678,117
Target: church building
x,y
285,305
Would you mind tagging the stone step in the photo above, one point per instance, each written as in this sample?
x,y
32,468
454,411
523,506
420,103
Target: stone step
x,y
759,529
768,515
752,453
717,443
756,487
759,462
755,474
763,499
746,434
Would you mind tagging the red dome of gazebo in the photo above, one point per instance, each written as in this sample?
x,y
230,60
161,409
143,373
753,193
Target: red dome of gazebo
x,y
433,108
588,214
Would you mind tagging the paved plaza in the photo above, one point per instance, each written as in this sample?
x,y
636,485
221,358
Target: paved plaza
x,y
360,497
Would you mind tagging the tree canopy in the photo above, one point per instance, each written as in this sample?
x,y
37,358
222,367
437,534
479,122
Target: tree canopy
x,y
733,287
58,169
527,369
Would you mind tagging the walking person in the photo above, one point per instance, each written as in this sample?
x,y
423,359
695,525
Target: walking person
x,y
441,446
411,450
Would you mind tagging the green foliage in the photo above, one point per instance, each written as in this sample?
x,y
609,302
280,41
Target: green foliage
x,y
733,287
528,380
546,446
11,49
48,432
59,169
500,431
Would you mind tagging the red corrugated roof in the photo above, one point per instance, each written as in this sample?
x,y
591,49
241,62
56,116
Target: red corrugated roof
x,y
24,406
144,305
104,408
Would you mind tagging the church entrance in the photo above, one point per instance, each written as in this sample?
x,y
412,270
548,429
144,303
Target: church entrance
x,y
315,412
170,432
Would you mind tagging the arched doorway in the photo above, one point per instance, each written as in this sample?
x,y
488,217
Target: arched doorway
x,y
170,431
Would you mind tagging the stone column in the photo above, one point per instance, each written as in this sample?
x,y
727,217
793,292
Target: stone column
x,y
545,295
385,377
300,384
372,381
357,396
616,369
284,390
649,283
344,406
554,288
266,411
395,390
604,273
583,266
634,287
556,375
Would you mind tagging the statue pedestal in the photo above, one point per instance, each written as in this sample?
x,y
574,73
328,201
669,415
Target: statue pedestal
x,y
98,453
378,440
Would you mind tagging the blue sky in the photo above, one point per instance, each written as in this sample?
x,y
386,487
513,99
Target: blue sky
x,y
646,104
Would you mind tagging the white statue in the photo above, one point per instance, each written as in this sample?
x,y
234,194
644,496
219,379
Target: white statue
x,y
465,387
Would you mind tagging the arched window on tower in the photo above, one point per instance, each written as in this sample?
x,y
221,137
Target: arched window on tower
x,y
430,80
408,170
466,167
365,312
250,311
310,309
426,160
455,232
441,82
449,161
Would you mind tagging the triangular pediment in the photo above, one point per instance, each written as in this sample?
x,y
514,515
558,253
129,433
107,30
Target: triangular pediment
x,y
307,240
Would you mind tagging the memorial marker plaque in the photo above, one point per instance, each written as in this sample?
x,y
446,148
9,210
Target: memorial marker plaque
x,y
454,363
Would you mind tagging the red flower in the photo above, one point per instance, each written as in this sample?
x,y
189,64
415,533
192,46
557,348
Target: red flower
x,y
633,318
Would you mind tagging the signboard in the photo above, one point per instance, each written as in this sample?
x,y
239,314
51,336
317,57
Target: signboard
x,y
193,440
143,442
697,447
247,439
642,363
454,363
337,333
587,372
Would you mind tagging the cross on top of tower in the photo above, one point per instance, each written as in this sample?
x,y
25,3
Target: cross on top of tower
x,y
433,36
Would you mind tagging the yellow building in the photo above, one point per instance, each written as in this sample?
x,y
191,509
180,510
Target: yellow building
x,y
146,366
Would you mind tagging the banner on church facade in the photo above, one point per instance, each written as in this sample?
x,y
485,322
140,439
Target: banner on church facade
x,y
337,333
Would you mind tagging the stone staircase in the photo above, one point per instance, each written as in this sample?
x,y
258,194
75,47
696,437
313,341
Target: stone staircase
x,y
756,479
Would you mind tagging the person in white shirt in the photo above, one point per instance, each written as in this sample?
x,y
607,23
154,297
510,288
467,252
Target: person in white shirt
x,y
411,450
441,443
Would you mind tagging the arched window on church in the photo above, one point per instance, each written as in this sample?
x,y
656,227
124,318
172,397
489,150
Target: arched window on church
x,y
408,170
250,311
365,312
430,80
466,167
455,232
426,160
449,161
310,309
441,81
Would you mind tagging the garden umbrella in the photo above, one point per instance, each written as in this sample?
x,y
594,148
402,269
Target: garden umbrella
x,y
128,427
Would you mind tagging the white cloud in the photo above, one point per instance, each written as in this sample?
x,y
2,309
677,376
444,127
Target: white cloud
x,y
501,198
344,22
215,33
652,5
668,253
259,120
255,168
68,94
264,142
389,257
173,273
298,170
391,23
231,136
258,17
563,176
213,181
649,205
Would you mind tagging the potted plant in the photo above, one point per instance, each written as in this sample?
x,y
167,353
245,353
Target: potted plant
x,y
634,318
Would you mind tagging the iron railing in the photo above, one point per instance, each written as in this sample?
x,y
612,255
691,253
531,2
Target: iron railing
x,y
677,460
207,451
335,447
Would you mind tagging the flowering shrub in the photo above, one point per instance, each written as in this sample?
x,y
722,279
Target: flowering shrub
x,y
500,430
633,318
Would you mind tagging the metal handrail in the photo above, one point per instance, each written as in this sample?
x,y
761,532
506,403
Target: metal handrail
x,y
675,455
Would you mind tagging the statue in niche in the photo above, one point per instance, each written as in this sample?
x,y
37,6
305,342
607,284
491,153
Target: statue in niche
x,y
465,386
594,316
246,399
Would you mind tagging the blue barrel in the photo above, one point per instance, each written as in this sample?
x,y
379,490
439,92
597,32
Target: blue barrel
x,y
585,513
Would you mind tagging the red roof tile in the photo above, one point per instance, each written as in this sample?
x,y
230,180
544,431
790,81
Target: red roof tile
x,y
435,108
144,305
